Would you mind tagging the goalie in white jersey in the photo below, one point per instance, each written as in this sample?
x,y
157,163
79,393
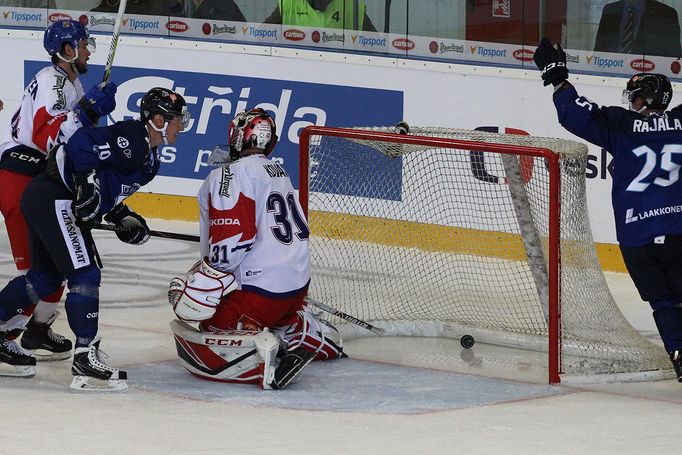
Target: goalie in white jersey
x,y
247,292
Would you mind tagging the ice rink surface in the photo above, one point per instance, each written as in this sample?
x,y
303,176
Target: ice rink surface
x,y
392,396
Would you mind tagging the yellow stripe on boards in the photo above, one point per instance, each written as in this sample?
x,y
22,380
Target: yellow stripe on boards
x,y
408,234
164,206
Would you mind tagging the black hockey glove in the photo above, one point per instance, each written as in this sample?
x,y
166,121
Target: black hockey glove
x,y
135,230
551,59
402,128
88,199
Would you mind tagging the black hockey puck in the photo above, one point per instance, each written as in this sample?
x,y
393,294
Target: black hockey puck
x,y
467,341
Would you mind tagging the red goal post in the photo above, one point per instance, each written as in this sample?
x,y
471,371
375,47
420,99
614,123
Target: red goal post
x,y
358,211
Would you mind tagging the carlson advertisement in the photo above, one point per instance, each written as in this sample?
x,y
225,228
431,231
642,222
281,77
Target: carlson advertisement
x,y
213,99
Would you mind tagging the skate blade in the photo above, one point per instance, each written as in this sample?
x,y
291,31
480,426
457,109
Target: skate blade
x,y
48,356
17,371
86,384
294,373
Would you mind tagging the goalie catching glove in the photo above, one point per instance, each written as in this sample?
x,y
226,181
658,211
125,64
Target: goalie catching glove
x,y
196,297
551,59
135,230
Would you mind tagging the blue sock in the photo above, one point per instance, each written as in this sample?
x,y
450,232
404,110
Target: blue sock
x,y
16,297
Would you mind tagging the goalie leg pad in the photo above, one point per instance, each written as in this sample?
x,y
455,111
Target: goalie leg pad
x,y
231,356
267,346
313,334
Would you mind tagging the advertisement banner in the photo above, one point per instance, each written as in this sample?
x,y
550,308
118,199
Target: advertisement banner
x,y
321,90
23,17
387,44
213,99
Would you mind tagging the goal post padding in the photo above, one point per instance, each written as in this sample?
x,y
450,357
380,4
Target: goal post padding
x,y
445,232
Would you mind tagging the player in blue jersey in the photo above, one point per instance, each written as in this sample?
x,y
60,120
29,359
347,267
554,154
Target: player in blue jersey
x,y
88,179
646,143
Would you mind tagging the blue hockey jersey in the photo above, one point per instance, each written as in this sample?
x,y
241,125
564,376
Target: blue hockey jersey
x,y
120,154
647,155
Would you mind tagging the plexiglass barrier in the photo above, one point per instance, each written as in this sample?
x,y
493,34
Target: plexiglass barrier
x,y
601,37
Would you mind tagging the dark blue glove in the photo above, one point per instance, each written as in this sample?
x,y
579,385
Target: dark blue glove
x,y
552,61
88,200
135,230
402,127
99,101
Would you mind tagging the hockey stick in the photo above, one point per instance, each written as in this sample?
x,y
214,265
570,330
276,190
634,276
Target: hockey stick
x,y
344,316
387,16
114,40
161,234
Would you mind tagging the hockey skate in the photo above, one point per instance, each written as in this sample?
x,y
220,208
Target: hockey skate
x,y
676,359
43,342
12,355
290,365
91,374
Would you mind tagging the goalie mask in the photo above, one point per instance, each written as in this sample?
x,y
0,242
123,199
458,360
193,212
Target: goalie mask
x,y
654,89
252,129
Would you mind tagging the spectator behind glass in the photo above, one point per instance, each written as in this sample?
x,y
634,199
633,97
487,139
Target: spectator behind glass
x,y
321,13
150,7
224,10
639,27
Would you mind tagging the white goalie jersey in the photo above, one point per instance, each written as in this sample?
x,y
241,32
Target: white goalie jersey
x,y
253,226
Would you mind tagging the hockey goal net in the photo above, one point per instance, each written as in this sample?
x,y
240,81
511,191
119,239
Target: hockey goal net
x,y
447,232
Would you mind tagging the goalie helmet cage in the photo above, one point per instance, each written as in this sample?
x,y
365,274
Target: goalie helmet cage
x,y
446,232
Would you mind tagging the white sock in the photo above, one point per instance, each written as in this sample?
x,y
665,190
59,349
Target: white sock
x,y
44,311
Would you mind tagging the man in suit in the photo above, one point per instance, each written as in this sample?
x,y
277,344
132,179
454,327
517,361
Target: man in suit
x,y
644,27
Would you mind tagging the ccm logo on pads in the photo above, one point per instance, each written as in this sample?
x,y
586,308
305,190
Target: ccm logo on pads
x,y
225,222
222,342
92,315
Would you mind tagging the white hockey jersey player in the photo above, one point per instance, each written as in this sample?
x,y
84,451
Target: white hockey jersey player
x,y
49,109
247,294
252,225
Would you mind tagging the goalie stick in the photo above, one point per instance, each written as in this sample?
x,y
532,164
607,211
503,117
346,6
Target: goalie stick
x,y
344,316
195,238
114,40
161,234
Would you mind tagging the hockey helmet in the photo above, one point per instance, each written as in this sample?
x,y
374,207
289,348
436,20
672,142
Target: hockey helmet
x,y
253,128
63,32
166,102
654,89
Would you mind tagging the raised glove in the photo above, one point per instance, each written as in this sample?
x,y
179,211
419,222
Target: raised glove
x,y
551,59
135,230
99,101
88,200
402,127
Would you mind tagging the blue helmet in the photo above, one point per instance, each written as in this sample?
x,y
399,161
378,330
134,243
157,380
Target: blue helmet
x,y
60,32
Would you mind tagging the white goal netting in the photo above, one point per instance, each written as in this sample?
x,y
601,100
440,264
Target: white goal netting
x,y
438,241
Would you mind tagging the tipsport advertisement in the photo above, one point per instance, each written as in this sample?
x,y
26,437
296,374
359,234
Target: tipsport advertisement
x,y
213,100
